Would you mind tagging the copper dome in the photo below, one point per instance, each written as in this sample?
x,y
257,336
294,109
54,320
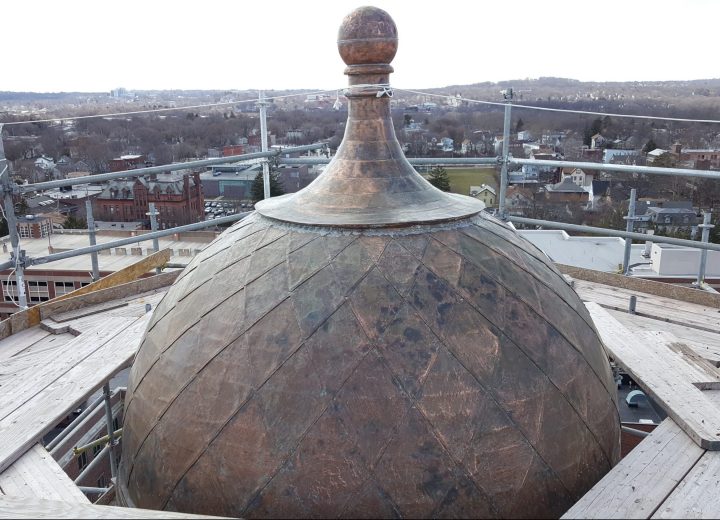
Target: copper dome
x,y
369,346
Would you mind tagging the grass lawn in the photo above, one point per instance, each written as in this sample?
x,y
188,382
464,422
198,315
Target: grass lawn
x,y
462,178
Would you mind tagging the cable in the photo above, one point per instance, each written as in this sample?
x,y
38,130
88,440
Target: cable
x,y
385,90
154,110
546,109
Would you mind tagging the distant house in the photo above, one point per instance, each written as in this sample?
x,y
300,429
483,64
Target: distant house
x,y
518,199
524,135
597,141
600,188
44,163
466,147
447,144
127,162
578,176
655,154
553,138
294,135
612,155
485,193
673,217
666,215
566,191
698,158
591,154
230,150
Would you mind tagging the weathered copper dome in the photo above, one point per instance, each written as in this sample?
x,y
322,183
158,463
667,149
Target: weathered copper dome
x,y
369,346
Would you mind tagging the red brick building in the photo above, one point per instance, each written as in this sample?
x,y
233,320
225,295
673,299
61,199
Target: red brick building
x,y
236,149
178,197
32,226
127,162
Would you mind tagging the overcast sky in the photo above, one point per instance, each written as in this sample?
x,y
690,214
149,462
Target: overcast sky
x,y
97,45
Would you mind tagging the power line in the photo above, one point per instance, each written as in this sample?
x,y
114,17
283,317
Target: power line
x,y
154,110
386,90
565,110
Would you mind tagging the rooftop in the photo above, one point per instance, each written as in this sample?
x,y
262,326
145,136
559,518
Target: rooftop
x,y
112,260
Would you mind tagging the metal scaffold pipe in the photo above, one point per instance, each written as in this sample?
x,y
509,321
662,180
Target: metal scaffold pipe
x,y
629,225
154,227
131,240
505,153
706,227
613,233
651,170
93,240
262,104
18,256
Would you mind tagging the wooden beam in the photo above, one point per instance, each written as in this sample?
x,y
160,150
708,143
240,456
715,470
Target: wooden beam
x,y
641,482
706,344
36,475
30,317
675,292
30,508
35,417
664,376
698,495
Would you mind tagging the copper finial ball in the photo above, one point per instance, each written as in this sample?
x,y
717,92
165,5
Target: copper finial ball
x,y
367,36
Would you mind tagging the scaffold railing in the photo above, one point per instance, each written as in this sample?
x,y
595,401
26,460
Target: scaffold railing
x,y
19,261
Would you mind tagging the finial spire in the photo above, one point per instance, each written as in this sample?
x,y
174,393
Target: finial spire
x,y
369,183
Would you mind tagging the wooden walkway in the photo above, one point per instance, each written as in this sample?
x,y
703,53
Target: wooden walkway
x,y
671,349
50,369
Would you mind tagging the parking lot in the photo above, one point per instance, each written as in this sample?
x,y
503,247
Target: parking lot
x,y
221,207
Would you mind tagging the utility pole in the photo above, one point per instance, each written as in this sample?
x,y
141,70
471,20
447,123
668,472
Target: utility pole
x,y
18,256
262,104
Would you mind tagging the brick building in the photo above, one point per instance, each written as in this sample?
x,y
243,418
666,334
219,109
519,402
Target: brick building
x,y
32,226
178,197
127,162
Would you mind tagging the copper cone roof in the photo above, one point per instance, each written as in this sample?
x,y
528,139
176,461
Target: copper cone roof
x,y
369,183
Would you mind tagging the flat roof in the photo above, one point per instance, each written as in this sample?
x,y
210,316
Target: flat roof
x,y
109,260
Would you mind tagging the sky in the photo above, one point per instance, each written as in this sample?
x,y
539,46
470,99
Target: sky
x,y
98,45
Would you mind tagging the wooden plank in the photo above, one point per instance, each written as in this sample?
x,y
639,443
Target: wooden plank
x,y
707,369
654,301
680,313
29,508
640,482
37,475
674,292
32,316
119,291
34,418
49,368
705,343
49,342
698,495
662,375
19,342
80,313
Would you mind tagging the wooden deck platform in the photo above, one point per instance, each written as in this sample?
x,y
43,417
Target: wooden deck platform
x,y
671,347
48,370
